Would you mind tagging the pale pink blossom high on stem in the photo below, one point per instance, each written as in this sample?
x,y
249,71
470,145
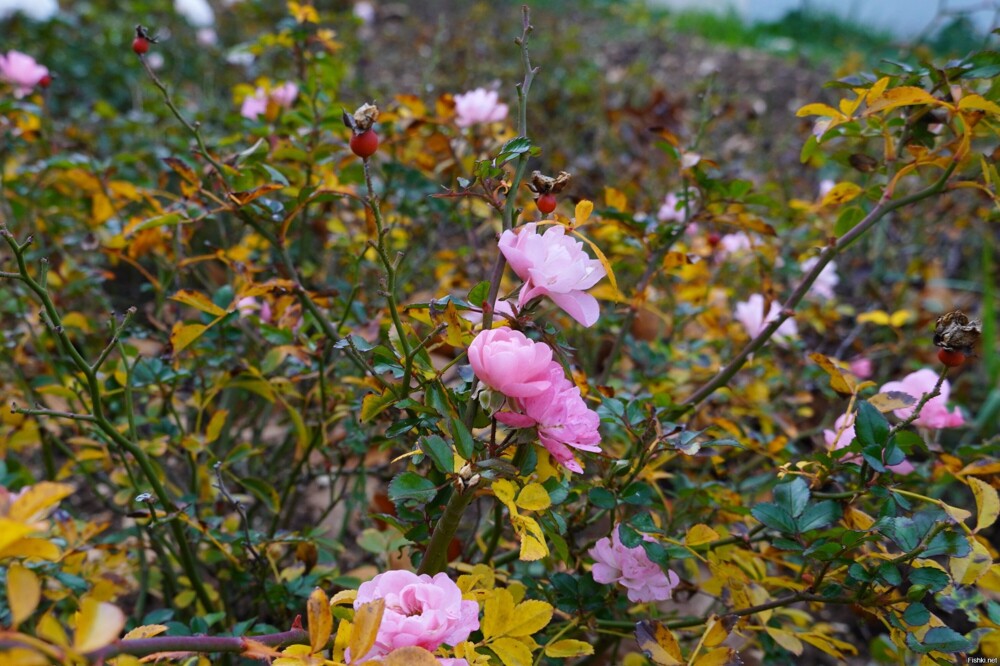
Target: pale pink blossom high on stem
x,y
21,71
861,367
631,567
734,243
282,97
508,362
562,417
825,282
843,434
673,209
554,265
420,611
935,413
479,106
750,313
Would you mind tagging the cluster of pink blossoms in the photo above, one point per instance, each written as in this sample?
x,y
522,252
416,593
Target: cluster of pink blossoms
x,y
281,97
420,611
554,265
22,72
644,579
538,393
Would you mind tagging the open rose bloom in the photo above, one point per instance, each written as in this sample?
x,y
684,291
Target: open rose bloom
x,y
750,313
538,393
631,567
935,414
269,102
420,611
554,265
21,72
479,106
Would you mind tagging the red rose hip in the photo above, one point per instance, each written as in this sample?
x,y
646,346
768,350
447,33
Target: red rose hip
x,y
140,45
365,144
951,358
546,203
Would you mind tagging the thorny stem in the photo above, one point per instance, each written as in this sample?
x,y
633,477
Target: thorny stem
x,y
924,399
885,206
436,557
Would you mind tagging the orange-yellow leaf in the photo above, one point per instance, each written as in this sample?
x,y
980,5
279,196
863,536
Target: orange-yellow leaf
x,y
24,591
658,643
840,382
243,198
568,648
987,503
534,497
374,404
722,656
512,652
529,618
700,534
841,193
38,500
11,532
145,631
182,335
582,213
893,400
786,639
969,569
97,624
410,656
819,110
319,619
198,301
978,103
366,623
214,428
897,97
718,629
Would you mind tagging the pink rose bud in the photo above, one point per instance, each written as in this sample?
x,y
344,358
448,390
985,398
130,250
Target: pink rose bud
x,y
506,361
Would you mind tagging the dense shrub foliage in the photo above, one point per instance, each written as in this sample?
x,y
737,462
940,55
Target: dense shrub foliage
x,y
307,369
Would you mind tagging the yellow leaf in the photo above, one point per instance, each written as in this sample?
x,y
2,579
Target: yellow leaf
x,y
819,110
24,591
183,335
145,631
529,617
344,598
876,90
453,325
583,210
956,514
722,656
568,648
838,381
243,198
38,500
987,503
532,539
374,404
718,629
303,12
319,620
342,640
534,497
978,103
841,193
504,491
887,402
49,629
198,301
897,97
214,427
969,569
366,623
512,652
31,548
700,534
658,643
24,657
97,624
498,611
11,532
615,199
882,318
785,639
410,656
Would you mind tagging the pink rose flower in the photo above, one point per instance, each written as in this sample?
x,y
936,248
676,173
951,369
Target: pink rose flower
x,y
419,611
935,413
281,97
554,265
508,362
825,281
645,581
750,313
825,186
861,367
562,417
673,209
479,106
734,243
843,434
21,72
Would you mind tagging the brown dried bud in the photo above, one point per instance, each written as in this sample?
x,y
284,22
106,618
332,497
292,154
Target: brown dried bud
x,y
956,332
542,184
365,117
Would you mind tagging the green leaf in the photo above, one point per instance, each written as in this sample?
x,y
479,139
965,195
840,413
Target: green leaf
x,y
793,496
440,453
775,517
903,532
889,573
916,615
464,444
939,639
870,426
818,515
847,220
637,493
629,537
602,498
929,577
478,294
263,491
411,488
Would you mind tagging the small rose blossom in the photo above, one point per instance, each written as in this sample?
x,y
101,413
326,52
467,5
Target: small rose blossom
x,y
479,106
562,417
935,413
197,12
825,186
267,102
22,72
644,580
364,11
843,434
673,209
861,367
825,282
750,313
420,611
554,265
506,361
734,243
